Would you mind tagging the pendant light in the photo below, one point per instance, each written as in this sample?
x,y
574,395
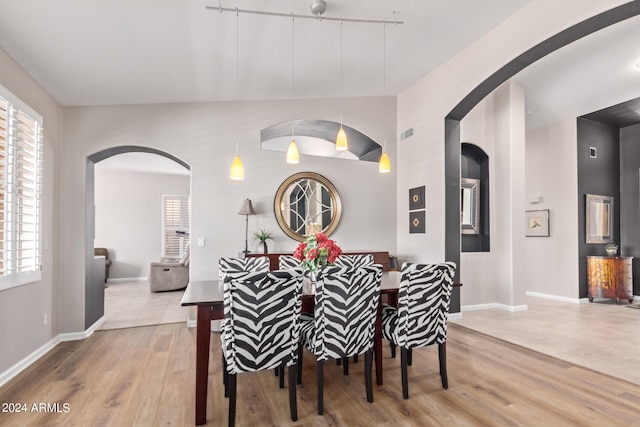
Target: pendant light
x,y
384,166
237,168
293,156
341,139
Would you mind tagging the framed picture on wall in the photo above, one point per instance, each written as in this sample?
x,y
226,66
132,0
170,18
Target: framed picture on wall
x,y
417,222
416,198
537,223
599,218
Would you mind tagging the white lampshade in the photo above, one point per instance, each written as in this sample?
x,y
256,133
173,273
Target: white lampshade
x,y
385,164
237,169
341,140
293,156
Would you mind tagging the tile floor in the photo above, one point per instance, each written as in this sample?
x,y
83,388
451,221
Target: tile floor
x,y
131,304
602,336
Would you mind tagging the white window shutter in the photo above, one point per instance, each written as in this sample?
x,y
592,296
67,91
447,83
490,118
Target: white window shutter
x,y
20,192
176,225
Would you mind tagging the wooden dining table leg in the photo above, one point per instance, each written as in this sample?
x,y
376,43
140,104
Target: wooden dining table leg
x,y
377,344
203,340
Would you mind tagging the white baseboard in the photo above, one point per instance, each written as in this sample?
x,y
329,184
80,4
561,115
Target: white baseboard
x,y
10,373
554,297
565,299
215,324
455,316
7,375
128,279
511,308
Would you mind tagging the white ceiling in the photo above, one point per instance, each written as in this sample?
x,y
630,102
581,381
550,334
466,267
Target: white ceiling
x,y
157,51
113,52
593,73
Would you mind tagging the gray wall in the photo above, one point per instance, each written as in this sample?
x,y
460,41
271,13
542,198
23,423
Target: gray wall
x,y
204,136
129,217
630,198
599,176
23,329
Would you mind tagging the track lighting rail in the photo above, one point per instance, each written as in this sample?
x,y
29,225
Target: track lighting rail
x,y
295,16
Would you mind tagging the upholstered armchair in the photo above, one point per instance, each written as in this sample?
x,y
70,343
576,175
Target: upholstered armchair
x,y
169,274
107,262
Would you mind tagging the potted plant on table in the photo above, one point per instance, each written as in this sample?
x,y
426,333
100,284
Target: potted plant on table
x,y
262,236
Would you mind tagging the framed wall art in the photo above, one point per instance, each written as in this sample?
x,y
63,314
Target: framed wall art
x,y
416,198
537,223
417,222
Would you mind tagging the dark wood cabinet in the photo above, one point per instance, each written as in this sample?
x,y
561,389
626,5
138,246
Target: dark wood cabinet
x,y
610,277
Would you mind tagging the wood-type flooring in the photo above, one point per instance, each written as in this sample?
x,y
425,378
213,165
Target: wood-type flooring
x,y
145,377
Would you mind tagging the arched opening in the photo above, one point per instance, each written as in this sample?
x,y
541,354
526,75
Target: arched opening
x,y
94,271
452,120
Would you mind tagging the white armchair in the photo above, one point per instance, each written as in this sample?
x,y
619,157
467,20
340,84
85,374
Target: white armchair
x,y
169,274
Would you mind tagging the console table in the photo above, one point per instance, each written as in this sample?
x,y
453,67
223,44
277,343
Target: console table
x,y
610,277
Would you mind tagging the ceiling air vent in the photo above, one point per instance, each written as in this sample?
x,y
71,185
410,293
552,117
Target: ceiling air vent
x,y
406,134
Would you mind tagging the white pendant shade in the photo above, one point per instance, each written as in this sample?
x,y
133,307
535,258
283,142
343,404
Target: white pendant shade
x,y
237,169
385,164
341,140
293,156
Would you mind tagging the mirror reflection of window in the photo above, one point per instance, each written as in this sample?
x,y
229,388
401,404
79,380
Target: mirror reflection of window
x,y
465,201
305,204
599,211
469,205
600,215
309,207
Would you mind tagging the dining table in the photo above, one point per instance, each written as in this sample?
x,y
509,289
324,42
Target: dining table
x,y
208,297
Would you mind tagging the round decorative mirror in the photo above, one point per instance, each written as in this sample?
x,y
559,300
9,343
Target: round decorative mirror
x,y
307,203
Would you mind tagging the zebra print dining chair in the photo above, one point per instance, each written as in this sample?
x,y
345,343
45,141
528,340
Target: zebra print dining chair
x,y
254,264
261,328
354,261
288,262
343,322
421,317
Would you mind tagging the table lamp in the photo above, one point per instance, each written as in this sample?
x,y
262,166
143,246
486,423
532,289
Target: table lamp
x,y
246,209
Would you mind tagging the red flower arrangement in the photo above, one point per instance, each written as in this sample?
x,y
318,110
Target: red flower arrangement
x,y
317,251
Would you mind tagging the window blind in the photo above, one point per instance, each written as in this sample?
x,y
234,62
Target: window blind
x,y
20,192
175,225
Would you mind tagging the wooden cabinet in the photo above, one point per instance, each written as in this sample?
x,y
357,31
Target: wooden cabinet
x,y
610,277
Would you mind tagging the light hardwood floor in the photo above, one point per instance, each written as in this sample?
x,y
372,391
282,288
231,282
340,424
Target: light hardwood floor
x,y
145,377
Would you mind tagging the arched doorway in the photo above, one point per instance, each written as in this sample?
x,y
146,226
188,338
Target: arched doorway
x,y
452,120
94,285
